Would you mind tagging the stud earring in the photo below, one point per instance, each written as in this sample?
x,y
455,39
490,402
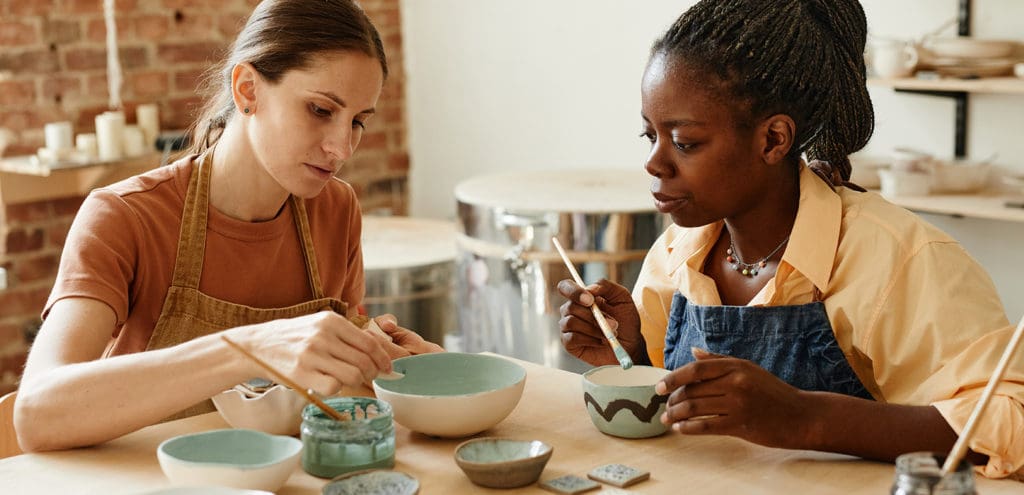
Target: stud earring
x,y
246,110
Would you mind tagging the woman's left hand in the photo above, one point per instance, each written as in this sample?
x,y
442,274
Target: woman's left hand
x,y
402,341
723,395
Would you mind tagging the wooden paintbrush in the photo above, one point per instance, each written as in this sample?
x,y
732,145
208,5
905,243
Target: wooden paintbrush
x,y
624,360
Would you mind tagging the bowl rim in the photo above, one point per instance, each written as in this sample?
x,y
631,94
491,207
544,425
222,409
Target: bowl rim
x,y
548,450
294,444
377,387
586,376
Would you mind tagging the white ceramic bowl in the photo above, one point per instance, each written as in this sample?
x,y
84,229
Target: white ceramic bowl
x,y
903,183
958,176
277,411
246,459
451,394
969,48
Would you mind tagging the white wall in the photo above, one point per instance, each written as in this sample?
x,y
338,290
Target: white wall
x,y
496,85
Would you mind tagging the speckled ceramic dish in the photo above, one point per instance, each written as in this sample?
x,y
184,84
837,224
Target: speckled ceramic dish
x,y
233,458
373,482
623,403
451,394
502,462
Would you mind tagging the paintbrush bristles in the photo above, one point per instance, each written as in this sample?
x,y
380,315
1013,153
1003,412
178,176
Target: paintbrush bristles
x,y
960,448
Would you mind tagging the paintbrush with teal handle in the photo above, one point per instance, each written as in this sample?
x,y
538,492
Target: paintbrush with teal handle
x,y
624,360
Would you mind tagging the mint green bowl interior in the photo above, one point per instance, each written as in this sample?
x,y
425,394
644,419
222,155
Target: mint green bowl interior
x,y
446,374
247,449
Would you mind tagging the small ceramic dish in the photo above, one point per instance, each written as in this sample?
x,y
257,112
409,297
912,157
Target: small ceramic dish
x,y
276,410
451,394
206,490
233,458
502,462
373,482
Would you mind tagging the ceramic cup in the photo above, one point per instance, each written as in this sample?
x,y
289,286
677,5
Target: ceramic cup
x,y
622,402
893,58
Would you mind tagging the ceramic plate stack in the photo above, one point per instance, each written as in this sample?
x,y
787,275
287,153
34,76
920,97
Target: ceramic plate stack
x,y
969,58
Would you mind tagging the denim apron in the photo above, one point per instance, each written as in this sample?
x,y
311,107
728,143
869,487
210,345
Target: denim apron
x,y
188,313
794,343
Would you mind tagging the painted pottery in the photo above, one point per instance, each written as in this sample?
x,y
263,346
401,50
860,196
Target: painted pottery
x,y
622,402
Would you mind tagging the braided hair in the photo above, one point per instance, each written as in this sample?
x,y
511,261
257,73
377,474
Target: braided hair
x,y
802,58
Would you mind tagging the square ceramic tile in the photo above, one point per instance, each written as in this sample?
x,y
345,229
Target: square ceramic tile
x,y
618,474
569,484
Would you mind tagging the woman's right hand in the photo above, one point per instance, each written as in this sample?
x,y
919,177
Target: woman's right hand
x,y
322,351
581,335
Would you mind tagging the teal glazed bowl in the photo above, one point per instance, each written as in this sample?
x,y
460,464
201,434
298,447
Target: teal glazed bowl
x,y
451,394
233,458
622,403
502,462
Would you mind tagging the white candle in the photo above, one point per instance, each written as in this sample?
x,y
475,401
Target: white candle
x,y
148,118
58,135
134,141
86,146
110,135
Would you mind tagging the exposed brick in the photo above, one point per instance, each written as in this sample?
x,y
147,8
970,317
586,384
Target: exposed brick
x,y
21,240
373,140
96,58
83,6
96,30
10,332
36,268
188,80
23,301
18,33
22,213
15,361
133,57
185,4
87,117
231,23
23,119
17,93
194,25
60,88
190,52
17,8
96,85
398,161
61,31
66,207
180,112
151,27
57,233
28,61
148,83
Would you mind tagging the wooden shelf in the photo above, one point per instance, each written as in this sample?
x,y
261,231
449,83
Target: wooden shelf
x,y
22,182
991,85
991,206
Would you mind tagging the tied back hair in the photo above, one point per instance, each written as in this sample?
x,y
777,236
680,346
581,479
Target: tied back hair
x,y
802,58
280,36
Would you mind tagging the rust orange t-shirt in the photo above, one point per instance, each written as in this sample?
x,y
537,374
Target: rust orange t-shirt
x,y
122,246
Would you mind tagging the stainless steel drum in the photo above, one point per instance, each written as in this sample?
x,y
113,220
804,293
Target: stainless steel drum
x,y
508,269
409,265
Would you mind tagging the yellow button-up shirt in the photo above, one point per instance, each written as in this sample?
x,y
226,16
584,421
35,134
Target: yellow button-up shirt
x,y
918,319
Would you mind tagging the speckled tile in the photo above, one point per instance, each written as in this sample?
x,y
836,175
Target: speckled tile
x,y
569,484
618,474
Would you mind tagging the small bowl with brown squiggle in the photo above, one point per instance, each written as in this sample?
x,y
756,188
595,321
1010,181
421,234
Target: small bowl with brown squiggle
x,y
622,403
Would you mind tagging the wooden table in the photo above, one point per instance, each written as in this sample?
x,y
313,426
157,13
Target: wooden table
x,y
551,410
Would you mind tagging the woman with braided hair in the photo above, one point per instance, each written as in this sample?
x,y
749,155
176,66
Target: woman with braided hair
x,y
795,309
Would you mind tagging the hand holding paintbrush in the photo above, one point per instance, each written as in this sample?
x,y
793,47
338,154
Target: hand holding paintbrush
x,y
620,353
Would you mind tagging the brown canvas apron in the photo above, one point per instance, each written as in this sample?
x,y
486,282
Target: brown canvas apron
x,y
188,313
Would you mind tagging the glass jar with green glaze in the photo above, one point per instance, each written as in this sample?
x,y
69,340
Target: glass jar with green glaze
x,y
366,440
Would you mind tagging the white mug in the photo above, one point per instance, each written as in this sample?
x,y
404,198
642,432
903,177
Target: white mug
x,y
893,58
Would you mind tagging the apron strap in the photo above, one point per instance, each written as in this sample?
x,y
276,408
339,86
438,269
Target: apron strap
x,y
306,238
188,264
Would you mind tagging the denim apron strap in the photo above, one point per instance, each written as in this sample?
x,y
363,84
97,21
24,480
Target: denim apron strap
x,y
795,343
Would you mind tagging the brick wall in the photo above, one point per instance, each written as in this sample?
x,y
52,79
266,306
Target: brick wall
x,y
53,67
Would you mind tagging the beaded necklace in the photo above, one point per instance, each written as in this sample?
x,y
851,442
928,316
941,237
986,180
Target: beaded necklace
x,y
732,256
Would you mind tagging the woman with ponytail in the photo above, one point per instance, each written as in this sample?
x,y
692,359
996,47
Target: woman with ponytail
x,y
250,236
795,309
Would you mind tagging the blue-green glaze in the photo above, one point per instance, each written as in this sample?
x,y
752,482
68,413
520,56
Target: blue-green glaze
x,y
243,449
627,411
335,447
452,373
